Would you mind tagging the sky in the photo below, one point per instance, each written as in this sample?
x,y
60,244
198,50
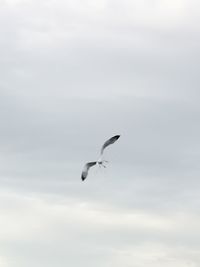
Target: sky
x,y
73,74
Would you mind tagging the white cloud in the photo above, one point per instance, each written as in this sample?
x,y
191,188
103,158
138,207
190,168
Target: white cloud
x,y
44,220
52,24
153,254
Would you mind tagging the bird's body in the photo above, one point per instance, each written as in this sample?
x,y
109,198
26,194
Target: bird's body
x,y
100,162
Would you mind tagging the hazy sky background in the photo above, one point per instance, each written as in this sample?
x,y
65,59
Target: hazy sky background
x,y
74,73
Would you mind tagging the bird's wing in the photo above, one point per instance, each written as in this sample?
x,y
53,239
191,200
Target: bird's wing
x,y
109,142
86,169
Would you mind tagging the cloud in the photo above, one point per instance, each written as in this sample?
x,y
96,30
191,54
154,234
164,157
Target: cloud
x,y
59,227
73,74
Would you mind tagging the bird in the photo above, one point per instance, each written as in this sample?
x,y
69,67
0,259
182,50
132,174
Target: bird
x,y
100,162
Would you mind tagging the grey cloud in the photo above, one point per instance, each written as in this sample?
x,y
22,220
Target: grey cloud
x,y
154,154
73,74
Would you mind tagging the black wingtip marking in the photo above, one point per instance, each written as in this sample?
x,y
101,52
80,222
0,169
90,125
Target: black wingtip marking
x,y
83,177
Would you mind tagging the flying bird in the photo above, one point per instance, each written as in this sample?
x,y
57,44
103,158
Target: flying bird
x,y
100,161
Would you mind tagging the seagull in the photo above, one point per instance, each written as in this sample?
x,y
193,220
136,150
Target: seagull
x,y
100,162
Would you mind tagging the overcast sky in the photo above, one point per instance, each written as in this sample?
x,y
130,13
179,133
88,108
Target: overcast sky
x,y
74,73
